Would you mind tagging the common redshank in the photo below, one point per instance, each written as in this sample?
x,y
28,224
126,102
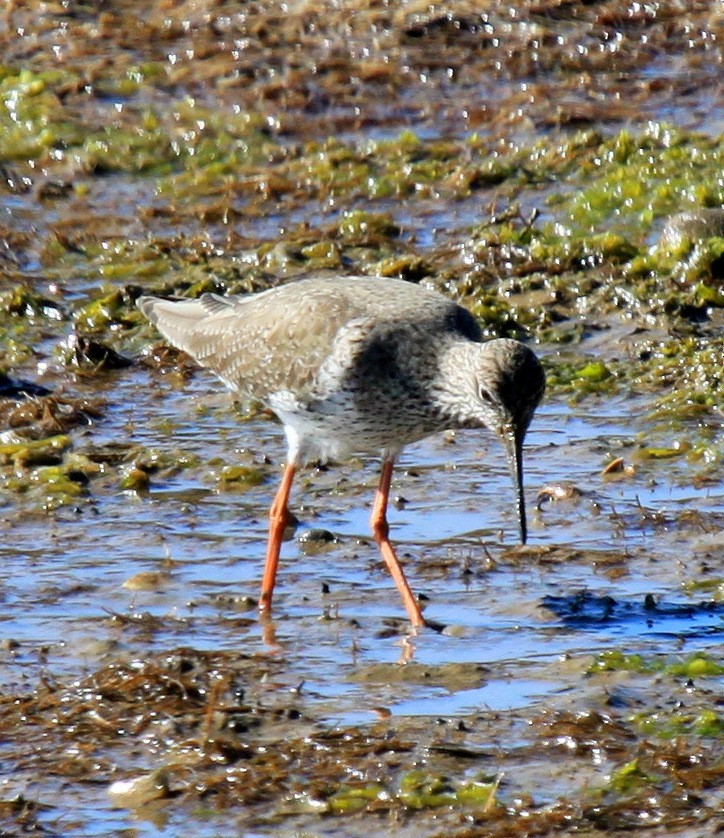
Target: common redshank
x,y
359,365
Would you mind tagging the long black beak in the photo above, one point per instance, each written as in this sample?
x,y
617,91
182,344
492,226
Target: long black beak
x,y
513,444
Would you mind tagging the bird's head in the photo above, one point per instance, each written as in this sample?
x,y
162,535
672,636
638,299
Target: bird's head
x,y
509,384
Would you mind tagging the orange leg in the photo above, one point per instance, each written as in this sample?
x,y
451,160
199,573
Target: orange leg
x,y
278,520
381,531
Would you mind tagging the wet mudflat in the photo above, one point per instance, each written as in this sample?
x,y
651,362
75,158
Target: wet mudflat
x,y
524,160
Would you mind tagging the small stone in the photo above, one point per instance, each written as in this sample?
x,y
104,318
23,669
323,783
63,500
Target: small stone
x,y
138,791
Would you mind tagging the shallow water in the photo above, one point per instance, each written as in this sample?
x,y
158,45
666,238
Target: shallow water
x,y
454,531
510,615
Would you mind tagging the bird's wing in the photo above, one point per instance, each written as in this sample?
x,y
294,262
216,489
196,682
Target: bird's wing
x,y
280,339
260,344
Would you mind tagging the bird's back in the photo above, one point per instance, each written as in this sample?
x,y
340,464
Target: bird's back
x,y
280,339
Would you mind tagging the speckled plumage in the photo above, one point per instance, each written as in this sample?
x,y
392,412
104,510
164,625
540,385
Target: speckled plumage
x,y
360,364
350,365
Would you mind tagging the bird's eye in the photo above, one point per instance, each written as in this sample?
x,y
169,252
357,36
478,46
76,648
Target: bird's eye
x,y
486,396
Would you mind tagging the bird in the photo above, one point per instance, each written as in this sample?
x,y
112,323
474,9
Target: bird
x,y
358,365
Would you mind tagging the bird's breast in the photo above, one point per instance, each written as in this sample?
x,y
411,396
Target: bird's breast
x,y
341,425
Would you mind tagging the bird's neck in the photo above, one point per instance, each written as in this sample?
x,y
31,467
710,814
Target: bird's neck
x,y
455,384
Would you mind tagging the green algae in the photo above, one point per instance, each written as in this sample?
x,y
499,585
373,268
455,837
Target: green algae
x,y
34,452
616,661
145,149
237,477
591,377
29,109
350,799
423,789
620,176
420,788
49,475
58,482
80,467
706,724
648,452
153,460
684,377
686,371
575,257
594,371
13,352
155,143
100,313
630,777
713,588
134,479
322,255
698,665
83,352
359,227
22,301
636,178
